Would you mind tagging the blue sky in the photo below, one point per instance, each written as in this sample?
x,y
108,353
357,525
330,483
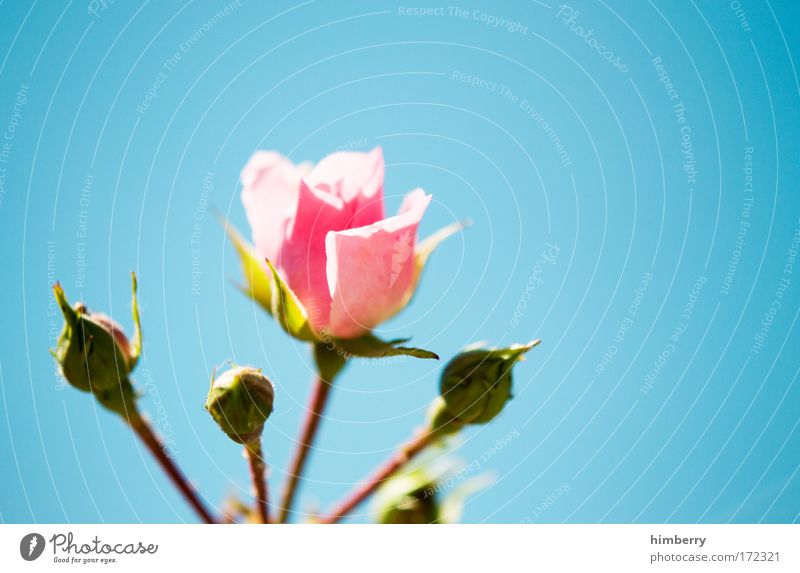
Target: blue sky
x,y
630,169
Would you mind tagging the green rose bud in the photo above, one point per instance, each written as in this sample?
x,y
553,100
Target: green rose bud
x,y
431,493
410,498
95,355
475,386
240,401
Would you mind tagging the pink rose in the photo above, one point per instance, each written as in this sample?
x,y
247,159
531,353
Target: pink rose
x,y
325,231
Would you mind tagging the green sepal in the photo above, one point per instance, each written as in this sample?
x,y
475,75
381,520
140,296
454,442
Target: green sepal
x,y
136,344
70,314
429,244
329,362
258,283
441,421
287,310
268,289
120,399
370,346
424,250
88,354
476,384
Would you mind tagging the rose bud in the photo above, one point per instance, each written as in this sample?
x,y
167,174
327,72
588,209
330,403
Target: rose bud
x,y
409,499
240,401
416,507
475,386
94,353
440,420
325,231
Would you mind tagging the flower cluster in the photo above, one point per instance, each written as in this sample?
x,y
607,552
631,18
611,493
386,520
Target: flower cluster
x,y
329,266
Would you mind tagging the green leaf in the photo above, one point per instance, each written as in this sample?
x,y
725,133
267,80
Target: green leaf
x,y
258,284
288,311
370,346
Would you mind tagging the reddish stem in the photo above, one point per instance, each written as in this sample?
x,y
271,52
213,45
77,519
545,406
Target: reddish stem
x,y
423,438
257,474
142,429
316,405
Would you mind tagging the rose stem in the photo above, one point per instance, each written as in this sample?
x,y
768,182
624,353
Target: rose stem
x,y
316,405
257,472
422,439
142,429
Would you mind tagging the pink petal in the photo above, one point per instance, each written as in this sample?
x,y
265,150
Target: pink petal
x,y
302,256
270,184
357,178
369,269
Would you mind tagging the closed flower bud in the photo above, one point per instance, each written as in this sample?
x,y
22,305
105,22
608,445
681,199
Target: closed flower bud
x,y
431,493
95,355
416,507
476,385
409,499
240,401
113,327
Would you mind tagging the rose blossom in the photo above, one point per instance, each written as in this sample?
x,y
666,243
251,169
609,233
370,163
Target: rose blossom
x,y
325,231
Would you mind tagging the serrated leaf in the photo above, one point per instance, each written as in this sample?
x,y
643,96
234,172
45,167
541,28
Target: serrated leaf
x,y
258,283
370,346
287,310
